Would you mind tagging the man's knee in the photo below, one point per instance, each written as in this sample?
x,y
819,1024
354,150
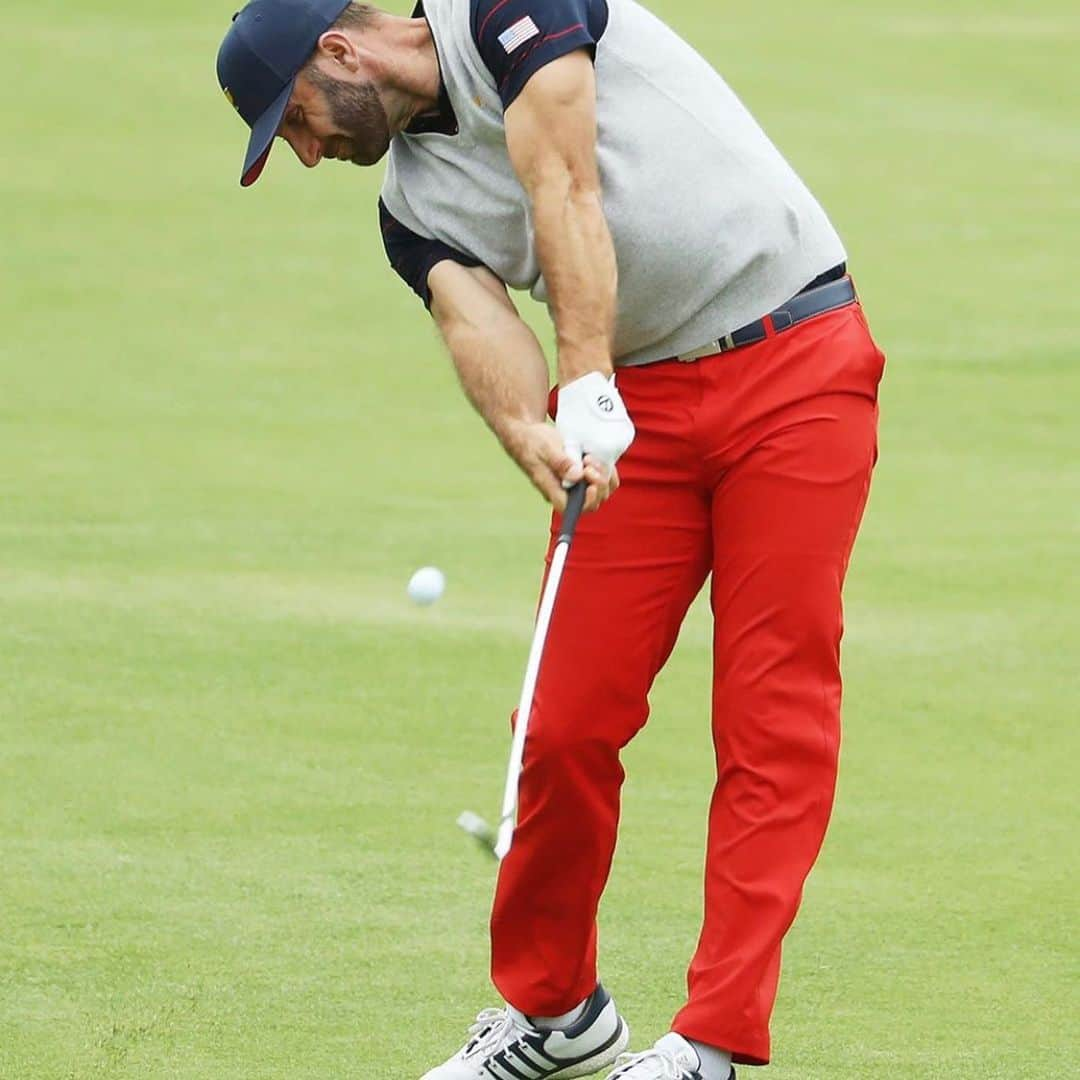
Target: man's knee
x,y
585,719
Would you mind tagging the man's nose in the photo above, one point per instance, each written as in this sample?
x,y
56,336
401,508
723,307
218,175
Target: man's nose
x,y
310,152
306,148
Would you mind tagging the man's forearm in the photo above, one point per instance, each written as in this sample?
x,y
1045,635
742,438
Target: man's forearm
x,y
498,360
503,373
578,262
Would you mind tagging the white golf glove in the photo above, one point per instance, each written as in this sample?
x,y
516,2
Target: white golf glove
x,y
592,419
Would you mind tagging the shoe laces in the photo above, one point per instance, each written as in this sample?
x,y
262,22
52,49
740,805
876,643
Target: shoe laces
x,y
670,1069
491,1030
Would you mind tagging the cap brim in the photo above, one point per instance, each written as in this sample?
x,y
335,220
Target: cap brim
x,y
263,132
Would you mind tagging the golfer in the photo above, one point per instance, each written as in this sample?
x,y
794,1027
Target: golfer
x,y
714,366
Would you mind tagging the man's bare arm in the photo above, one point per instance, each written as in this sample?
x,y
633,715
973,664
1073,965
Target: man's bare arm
x,y
551,136
498,359
502,370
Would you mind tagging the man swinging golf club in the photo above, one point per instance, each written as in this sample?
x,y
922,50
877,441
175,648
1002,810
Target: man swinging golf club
x,y
581,150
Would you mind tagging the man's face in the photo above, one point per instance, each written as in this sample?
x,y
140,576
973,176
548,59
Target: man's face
x,y
333,117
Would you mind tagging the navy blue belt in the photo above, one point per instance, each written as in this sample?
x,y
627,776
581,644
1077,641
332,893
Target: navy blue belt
x,y
813,300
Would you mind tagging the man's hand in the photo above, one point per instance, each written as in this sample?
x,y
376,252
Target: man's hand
x,y
538,449
592,420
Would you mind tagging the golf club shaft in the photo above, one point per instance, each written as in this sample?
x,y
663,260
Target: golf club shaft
x,y
575,502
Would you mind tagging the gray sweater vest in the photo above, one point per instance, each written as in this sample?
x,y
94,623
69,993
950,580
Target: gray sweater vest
x,y
711,226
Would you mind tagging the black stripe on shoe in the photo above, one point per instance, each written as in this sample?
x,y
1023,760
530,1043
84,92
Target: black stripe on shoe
x,y
506,1071
538,1064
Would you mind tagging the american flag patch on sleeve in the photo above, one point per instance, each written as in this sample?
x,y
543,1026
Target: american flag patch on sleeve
x,y
518,34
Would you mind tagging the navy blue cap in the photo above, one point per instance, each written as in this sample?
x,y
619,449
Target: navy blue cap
x,y
266,46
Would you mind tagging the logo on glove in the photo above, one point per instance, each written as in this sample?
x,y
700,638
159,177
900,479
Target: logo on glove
x,y
605,403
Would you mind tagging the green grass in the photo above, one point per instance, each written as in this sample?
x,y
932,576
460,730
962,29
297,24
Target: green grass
x,y
232,751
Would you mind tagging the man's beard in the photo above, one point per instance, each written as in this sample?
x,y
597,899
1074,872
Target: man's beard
x,y
356,111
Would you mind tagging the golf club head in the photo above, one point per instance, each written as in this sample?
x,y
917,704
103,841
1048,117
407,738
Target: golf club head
x,y
478,828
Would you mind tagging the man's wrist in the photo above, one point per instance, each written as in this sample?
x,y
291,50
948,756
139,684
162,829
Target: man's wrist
x,y
511,431
574,366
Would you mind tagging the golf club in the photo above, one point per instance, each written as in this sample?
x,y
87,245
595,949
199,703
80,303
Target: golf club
x,y
498,841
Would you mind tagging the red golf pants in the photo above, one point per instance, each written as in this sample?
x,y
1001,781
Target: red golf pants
x,y
752,466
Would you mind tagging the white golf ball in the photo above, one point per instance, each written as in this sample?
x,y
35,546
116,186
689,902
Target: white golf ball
x,y
426,585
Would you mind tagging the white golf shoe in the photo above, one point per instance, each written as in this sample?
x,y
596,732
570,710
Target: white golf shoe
x,y
503,1045
672,1058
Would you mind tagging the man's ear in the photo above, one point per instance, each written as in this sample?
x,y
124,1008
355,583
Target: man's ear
x,y
339,48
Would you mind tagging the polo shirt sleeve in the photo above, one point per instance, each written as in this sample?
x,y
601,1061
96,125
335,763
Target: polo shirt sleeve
x,y
413,256
516,38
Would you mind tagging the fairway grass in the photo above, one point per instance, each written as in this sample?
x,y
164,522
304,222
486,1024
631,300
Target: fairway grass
x,y
233,752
